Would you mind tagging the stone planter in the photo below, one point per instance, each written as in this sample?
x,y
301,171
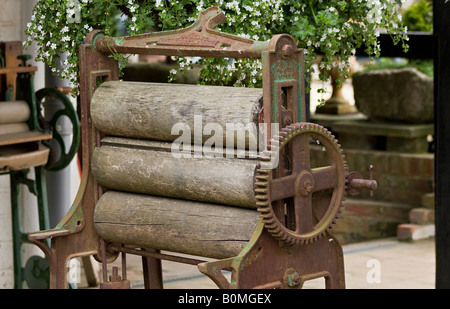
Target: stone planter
x,y
401,95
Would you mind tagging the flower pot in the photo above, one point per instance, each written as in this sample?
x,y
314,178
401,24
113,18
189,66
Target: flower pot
x,y
337,104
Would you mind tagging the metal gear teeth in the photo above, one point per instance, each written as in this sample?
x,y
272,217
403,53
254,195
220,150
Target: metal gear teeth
x,y
262,177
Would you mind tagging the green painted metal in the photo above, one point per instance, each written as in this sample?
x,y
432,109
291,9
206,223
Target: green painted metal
x,y
38,188
25,91
69,111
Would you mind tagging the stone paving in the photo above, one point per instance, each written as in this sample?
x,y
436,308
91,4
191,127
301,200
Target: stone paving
x,y
379,264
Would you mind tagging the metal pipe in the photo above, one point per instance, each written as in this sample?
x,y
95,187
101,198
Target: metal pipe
x,y
156,255
58,182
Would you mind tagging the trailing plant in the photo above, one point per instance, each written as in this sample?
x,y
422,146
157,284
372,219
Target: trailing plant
x,y
333,28
417,17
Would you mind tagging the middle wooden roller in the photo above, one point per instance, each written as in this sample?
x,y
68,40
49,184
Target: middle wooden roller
x,y
149,167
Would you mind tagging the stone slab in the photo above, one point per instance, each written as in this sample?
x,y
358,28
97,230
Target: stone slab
x,y
388,129
356,132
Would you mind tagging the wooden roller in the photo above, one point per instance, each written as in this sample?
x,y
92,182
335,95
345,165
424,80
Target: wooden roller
x,y
150,110
202,229
149,167
10,128
14,112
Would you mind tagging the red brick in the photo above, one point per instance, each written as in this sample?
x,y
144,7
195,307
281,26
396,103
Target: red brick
x,y
414,231
421,216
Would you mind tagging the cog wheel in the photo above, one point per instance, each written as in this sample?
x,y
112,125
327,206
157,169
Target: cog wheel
x,y
297,200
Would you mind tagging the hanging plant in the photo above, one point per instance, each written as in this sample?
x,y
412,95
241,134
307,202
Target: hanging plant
x,y
333,29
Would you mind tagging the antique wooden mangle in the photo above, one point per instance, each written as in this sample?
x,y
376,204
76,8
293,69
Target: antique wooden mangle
x,y
265,218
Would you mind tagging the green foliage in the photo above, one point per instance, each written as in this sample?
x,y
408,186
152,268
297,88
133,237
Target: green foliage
x,y
419,16
333,28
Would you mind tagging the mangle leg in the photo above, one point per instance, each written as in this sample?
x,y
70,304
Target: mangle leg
x,y
152,271
35,272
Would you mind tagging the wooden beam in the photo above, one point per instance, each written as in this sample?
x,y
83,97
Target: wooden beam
x,y
420,46
442,135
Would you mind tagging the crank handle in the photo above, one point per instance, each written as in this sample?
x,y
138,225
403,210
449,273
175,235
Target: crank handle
x,y
363,184
355,182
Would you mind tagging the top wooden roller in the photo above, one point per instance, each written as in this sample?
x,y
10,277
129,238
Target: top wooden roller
x,y
166,111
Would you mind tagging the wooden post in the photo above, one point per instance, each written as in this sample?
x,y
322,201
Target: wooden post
x,y
442,134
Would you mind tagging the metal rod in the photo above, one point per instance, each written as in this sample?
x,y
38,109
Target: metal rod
x,y
104,266
152,270
124,266
161,256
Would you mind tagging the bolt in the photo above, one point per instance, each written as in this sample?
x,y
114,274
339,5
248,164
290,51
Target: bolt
x,y
291,278
308,186
287,120
287,50
115,275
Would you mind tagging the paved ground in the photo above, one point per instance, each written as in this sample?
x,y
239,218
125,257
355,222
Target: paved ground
x,y
381,264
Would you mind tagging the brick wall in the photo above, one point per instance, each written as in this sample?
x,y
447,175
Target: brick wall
x,y
403,179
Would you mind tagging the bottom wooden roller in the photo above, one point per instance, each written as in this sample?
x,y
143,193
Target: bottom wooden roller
x,y
13,128
182,226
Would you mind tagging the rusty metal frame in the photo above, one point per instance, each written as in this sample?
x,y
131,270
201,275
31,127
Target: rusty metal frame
x,y
283,70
